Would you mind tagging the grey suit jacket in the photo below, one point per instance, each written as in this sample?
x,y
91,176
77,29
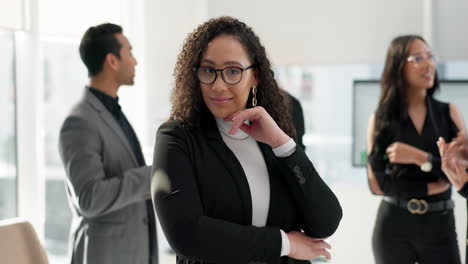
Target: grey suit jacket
x,y
106,188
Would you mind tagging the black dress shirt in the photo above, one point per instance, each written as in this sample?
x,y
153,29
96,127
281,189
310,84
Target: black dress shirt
x,y
407,181
112,104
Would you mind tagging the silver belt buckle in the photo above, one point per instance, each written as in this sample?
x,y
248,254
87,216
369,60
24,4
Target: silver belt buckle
x,y
416,206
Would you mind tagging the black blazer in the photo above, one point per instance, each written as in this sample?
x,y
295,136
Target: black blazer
x,y
207,214
297,116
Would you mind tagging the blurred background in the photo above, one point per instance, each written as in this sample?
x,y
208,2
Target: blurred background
x,y
327,53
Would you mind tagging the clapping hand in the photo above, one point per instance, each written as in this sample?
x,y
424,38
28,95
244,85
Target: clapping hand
x,y
454,160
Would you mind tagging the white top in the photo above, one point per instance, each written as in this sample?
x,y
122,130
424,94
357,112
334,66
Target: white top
x,y
247,151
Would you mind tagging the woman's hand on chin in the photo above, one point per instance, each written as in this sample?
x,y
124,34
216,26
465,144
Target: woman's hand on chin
x,y
262,126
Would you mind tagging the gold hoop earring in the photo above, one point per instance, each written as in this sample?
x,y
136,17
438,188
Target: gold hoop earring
x,y
254,96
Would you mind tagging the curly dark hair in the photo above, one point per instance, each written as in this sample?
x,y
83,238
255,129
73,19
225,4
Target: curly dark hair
x,y
187,102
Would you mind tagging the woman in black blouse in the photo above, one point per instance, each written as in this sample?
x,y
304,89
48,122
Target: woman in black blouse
x,y
415,221
240,190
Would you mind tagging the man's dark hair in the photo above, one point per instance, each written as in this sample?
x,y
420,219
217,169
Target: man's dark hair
x,y
96,43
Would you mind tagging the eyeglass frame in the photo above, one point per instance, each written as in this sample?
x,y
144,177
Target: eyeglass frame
x,y
432,56
222,73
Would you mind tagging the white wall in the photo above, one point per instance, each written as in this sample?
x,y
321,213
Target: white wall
x,y
73,17
451,29
325,31
12,14
167,25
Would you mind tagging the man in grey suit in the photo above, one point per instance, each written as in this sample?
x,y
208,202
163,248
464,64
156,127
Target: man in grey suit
x,y
108,182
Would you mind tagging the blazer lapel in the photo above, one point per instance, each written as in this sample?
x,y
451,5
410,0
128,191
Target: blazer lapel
x,y
233,166
275,185
110,121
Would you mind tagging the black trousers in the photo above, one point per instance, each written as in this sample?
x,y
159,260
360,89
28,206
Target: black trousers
x,y
401,237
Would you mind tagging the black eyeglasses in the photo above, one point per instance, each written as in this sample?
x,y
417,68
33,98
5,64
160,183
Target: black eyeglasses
x,y
230,75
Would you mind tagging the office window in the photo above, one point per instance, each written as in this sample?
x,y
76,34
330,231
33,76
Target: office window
x,y
64,80
8,169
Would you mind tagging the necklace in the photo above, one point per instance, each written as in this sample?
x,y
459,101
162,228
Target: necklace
x,y
235,138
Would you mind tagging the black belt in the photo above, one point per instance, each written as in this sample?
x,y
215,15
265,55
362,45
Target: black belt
x,y
420,206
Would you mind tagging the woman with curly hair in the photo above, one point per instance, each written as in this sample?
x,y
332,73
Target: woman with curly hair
x,y
415,221
239,190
